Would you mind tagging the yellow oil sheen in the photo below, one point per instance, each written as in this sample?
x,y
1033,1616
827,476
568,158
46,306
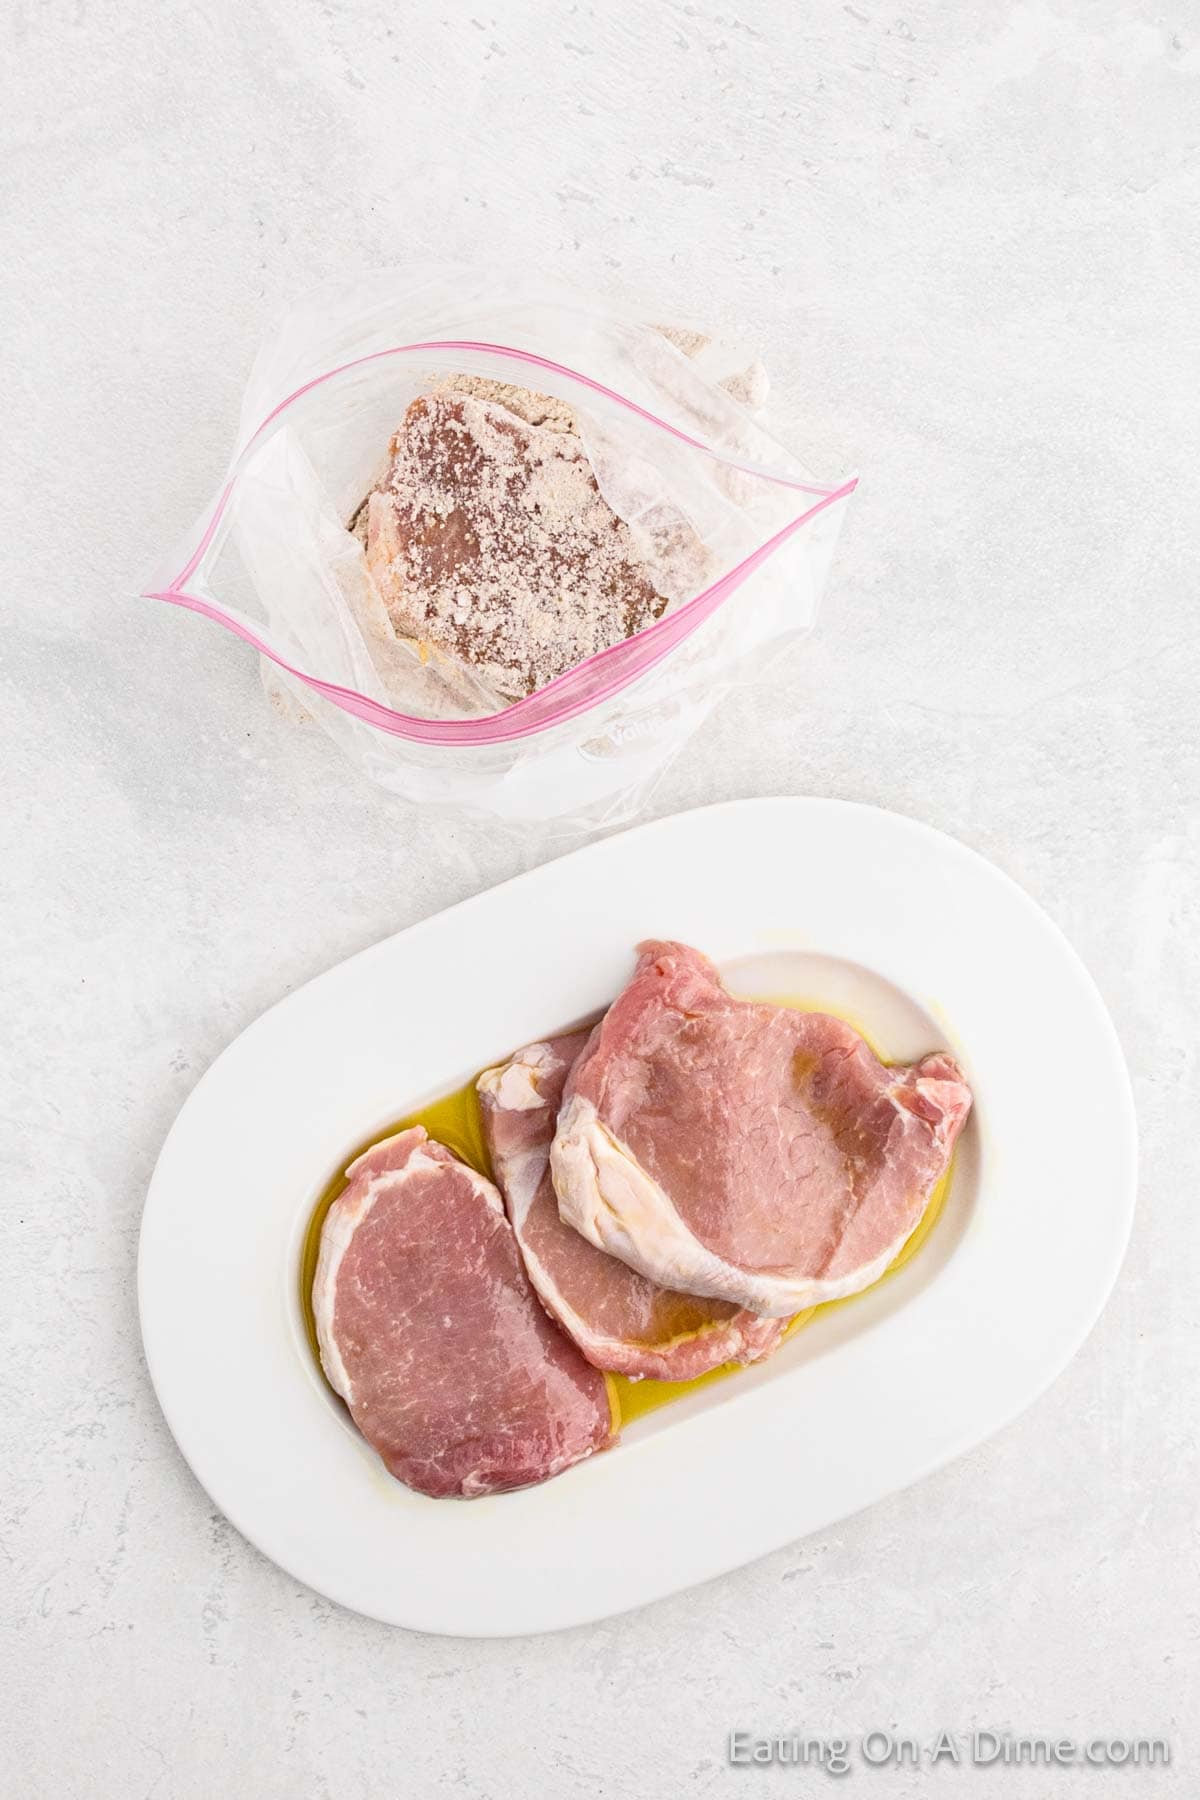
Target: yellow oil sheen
x,y
456,1121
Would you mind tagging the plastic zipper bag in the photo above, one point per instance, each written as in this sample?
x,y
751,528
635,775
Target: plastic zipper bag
x,y
275,558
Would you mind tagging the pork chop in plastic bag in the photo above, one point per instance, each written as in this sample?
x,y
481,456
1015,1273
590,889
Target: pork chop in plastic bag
x,y
430,1332
619,1319
755,1153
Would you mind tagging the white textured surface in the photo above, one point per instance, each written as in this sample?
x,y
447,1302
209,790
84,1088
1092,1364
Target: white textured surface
x,y
965,236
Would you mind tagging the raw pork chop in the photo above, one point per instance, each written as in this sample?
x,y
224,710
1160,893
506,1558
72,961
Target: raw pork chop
x,y
619,1319
751,1152
432,1335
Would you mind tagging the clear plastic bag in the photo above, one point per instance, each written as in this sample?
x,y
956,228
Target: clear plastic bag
x,y
273,558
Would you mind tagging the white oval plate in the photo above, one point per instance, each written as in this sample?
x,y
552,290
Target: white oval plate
x,y
886,921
